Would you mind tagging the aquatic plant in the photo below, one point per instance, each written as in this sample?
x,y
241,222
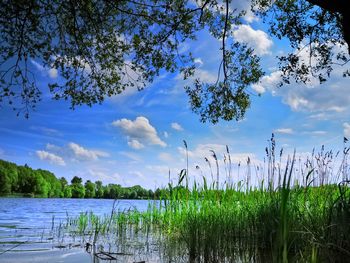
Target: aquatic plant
x,y
301,215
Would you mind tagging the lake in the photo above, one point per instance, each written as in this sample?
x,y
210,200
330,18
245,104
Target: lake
x,y
27,227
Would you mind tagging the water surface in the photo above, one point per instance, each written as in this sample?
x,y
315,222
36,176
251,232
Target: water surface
x,y
27,227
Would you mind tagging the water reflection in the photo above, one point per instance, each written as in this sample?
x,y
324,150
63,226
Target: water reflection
x,y
28,227
42,230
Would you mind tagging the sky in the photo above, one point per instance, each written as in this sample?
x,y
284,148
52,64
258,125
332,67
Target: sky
x,y
137,137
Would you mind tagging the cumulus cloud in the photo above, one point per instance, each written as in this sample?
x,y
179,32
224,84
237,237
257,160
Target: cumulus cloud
x,y
330,97
258,88
51,158
346,127
135,144
84,154
205,76
284,131
176,126
268,82
244,5
140,129
257,39
74,152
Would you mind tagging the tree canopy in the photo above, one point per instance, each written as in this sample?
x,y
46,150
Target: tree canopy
x,y
318,31
25,181
100,48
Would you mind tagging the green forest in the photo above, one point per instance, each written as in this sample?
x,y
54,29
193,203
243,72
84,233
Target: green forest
x,y
16,180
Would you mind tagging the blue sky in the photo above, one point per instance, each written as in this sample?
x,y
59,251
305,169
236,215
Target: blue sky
x,y
137,137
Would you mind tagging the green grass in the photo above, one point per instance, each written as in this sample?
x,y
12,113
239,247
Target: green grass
x,y
287,225
206,223
298,224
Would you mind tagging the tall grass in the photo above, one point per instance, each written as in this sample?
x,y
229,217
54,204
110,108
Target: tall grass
x,y
295,224
301,214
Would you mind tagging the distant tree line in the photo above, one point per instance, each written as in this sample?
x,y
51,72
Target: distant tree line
x,y
25,181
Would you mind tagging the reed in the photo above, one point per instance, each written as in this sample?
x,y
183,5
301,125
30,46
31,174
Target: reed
x,y
301,215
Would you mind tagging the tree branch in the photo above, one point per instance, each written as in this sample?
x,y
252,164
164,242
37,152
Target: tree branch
x,y
331,6
340,7
223,42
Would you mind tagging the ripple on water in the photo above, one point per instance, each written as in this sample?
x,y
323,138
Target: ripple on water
x,y
25,227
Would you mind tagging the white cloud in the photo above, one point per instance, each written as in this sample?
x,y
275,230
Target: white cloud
x,y
103,175
176,126
319,116
330,97
52,158
242,158
244,5
78,61
52,147
237,6
204,150
318,132
257,39
37,65
205,76
74,152
52,72
128,92
135,144
346,127
198,61
140,129
84,154
46,131
165,134
131,76
284,131
268,82
200,167
202,74
162,170
258,88
137,174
